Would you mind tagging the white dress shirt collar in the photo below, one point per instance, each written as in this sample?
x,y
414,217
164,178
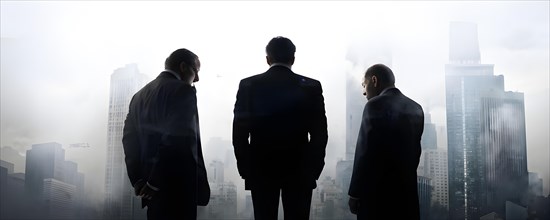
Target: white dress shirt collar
x,y
281,64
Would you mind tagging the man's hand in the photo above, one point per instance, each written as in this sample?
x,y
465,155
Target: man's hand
x,y
137,187
353,205
147,192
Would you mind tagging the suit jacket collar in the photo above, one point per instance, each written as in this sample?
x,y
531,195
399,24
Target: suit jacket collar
x,y
390,91
279,69
169,74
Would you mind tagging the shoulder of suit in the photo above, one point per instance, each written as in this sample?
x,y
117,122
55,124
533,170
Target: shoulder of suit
x,y
174,86
249,80
306,81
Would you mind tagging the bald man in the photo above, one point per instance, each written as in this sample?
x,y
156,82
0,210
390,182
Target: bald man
x,y
383,182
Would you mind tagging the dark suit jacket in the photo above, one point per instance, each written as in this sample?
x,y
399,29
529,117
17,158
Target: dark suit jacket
x,y
386,157
162,141
277,110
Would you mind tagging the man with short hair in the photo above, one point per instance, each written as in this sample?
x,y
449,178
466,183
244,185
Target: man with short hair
x,y
383,183
280,135
162,144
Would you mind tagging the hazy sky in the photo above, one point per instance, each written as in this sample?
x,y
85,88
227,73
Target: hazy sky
x,y
57,58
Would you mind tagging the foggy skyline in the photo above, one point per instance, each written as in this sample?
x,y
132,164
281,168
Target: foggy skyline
x,y
57,58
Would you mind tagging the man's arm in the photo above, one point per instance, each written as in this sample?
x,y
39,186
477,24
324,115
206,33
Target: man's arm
x,y
132,148
318,131
363,153
241,129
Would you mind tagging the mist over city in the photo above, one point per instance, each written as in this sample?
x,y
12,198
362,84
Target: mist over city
x,y
62,62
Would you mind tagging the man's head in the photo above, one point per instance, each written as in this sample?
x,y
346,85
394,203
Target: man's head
x,y
280,50
185,63
377,78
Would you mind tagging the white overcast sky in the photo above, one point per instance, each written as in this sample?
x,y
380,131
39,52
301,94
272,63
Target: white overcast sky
x,y
57,58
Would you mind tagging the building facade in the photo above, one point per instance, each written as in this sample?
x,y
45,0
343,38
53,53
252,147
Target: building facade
x,y
43,161
119,200
479,144
424,187
59,199
433,164
504,141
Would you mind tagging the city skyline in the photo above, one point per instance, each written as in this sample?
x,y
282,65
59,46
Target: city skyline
x,y
35,97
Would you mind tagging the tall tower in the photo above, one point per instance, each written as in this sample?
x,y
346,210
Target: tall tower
x,y
466,81
119,200
503,136
485,131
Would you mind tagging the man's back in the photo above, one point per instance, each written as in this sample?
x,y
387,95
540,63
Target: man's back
x,y
281,109
280,135
150,115
388,152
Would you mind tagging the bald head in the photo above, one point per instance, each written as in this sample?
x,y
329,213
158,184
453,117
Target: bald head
x,y
377,78
382,72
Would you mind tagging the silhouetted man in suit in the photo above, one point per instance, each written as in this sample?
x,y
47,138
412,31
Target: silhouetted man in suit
x,y
275,112
383,182
162,142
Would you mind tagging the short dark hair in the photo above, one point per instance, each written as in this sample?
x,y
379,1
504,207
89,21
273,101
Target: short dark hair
x,y
382,72
280,50
177,57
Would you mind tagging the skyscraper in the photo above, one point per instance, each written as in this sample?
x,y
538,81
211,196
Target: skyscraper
x,y
51,183
435,166
424,187
58,199
474,96
119,200
216,172
504,140
465,82
429,136
43,161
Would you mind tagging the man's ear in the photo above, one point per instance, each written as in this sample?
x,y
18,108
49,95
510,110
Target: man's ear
x,y
292,61
268,60
374,81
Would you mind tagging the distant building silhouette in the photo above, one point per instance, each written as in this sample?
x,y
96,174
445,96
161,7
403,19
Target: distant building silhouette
x,y
13,203
503,138
223,194
58,199
424,196
216,172
43,161
429,136
435,167
535,184
11,155
474,99
120,202
53,186
329,201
